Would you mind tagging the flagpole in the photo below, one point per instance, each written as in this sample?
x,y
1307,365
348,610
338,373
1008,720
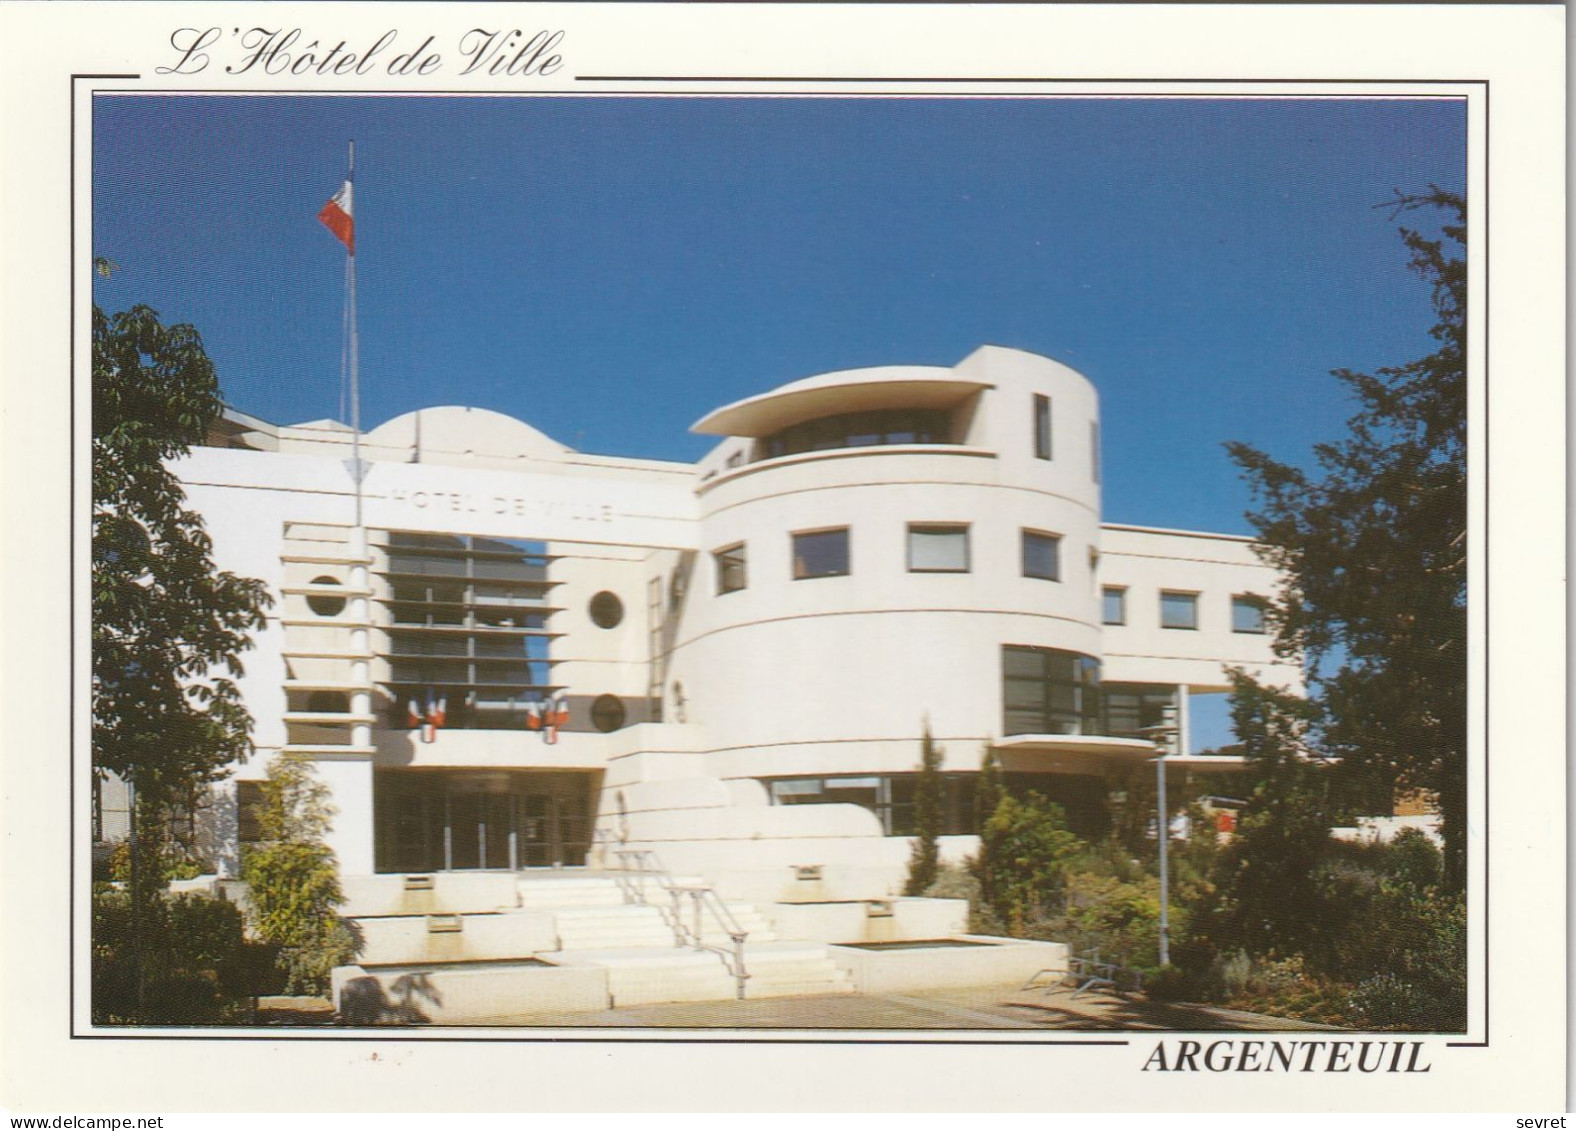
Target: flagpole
x,y
361,644
355,357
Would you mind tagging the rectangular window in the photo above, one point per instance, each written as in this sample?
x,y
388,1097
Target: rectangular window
x,y
1113,605
1042,555
1042,427
730,568
938,549
891,797
1131,707
1094,450
1247,614
820,553
1178,610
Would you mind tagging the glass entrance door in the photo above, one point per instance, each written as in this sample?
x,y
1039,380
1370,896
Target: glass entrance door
x,y
470,821
467,833
537,830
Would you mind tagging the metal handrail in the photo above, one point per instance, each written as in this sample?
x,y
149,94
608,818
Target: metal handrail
x,y
1087,972
637,865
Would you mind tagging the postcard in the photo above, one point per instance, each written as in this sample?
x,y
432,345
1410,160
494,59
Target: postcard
x,y
788,557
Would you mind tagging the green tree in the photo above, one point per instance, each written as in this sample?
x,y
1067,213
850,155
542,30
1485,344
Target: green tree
x,y
168,627
1374,547
1268,883
1025,847
292,877
990,788
930,793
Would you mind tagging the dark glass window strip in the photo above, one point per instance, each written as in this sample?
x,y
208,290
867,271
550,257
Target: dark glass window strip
x,y
891,797
1049,691
490,654
861,430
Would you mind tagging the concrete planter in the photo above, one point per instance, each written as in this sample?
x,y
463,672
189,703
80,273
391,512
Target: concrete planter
x,y
990,961
463,994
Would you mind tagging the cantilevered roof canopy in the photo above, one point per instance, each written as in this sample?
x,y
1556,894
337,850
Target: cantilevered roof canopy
x,y
851,390
1095,754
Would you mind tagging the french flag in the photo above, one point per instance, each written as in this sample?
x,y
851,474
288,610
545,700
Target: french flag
x,y
433,718
557,714
338,216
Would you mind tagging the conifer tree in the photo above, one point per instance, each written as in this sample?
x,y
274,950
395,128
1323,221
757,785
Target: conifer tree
x,y
929,799
1374,547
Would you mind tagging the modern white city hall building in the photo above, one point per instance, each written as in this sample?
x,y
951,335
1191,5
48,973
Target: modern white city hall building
x,y
745,651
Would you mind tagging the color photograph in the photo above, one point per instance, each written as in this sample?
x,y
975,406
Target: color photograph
x,y
811,564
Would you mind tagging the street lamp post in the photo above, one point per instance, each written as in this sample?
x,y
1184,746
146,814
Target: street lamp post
x,y
1164,737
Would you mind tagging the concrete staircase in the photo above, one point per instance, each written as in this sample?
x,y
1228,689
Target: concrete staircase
x,y
650,975
635,944
495,945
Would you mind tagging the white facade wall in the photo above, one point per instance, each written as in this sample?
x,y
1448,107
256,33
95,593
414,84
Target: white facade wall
x,y
784,677
1216,567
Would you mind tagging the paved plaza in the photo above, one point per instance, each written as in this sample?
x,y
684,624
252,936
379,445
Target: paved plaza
x,y
972,1008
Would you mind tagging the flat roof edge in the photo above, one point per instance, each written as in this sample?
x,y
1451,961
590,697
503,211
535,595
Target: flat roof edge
x,y
1248,538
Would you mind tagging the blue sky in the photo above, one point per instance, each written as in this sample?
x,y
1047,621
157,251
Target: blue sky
x,y
610,269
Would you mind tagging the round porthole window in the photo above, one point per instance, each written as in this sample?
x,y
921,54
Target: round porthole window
x,y
607,713
607,611
325,604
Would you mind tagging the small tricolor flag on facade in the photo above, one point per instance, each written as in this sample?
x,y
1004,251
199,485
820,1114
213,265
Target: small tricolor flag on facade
x,y
430,717
548,715
338,216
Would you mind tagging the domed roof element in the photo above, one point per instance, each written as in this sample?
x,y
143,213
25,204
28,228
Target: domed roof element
x,y
466,431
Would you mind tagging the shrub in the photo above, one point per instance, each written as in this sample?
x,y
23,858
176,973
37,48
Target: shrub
x,y
1119,919
170,860
1169,983
1415,861
191,952
293,879
1286,987
1385,1001
1024,850
953,882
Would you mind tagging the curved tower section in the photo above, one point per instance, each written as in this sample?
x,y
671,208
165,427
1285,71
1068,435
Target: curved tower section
x,y
884,547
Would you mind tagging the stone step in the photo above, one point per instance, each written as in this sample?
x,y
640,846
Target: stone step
x,y
621,940
644,976
620,912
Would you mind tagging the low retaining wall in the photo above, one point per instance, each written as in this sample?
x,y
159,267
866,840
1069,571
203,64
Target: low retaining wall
x,y
886,920
451,892
408,939
435,995
1000,961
